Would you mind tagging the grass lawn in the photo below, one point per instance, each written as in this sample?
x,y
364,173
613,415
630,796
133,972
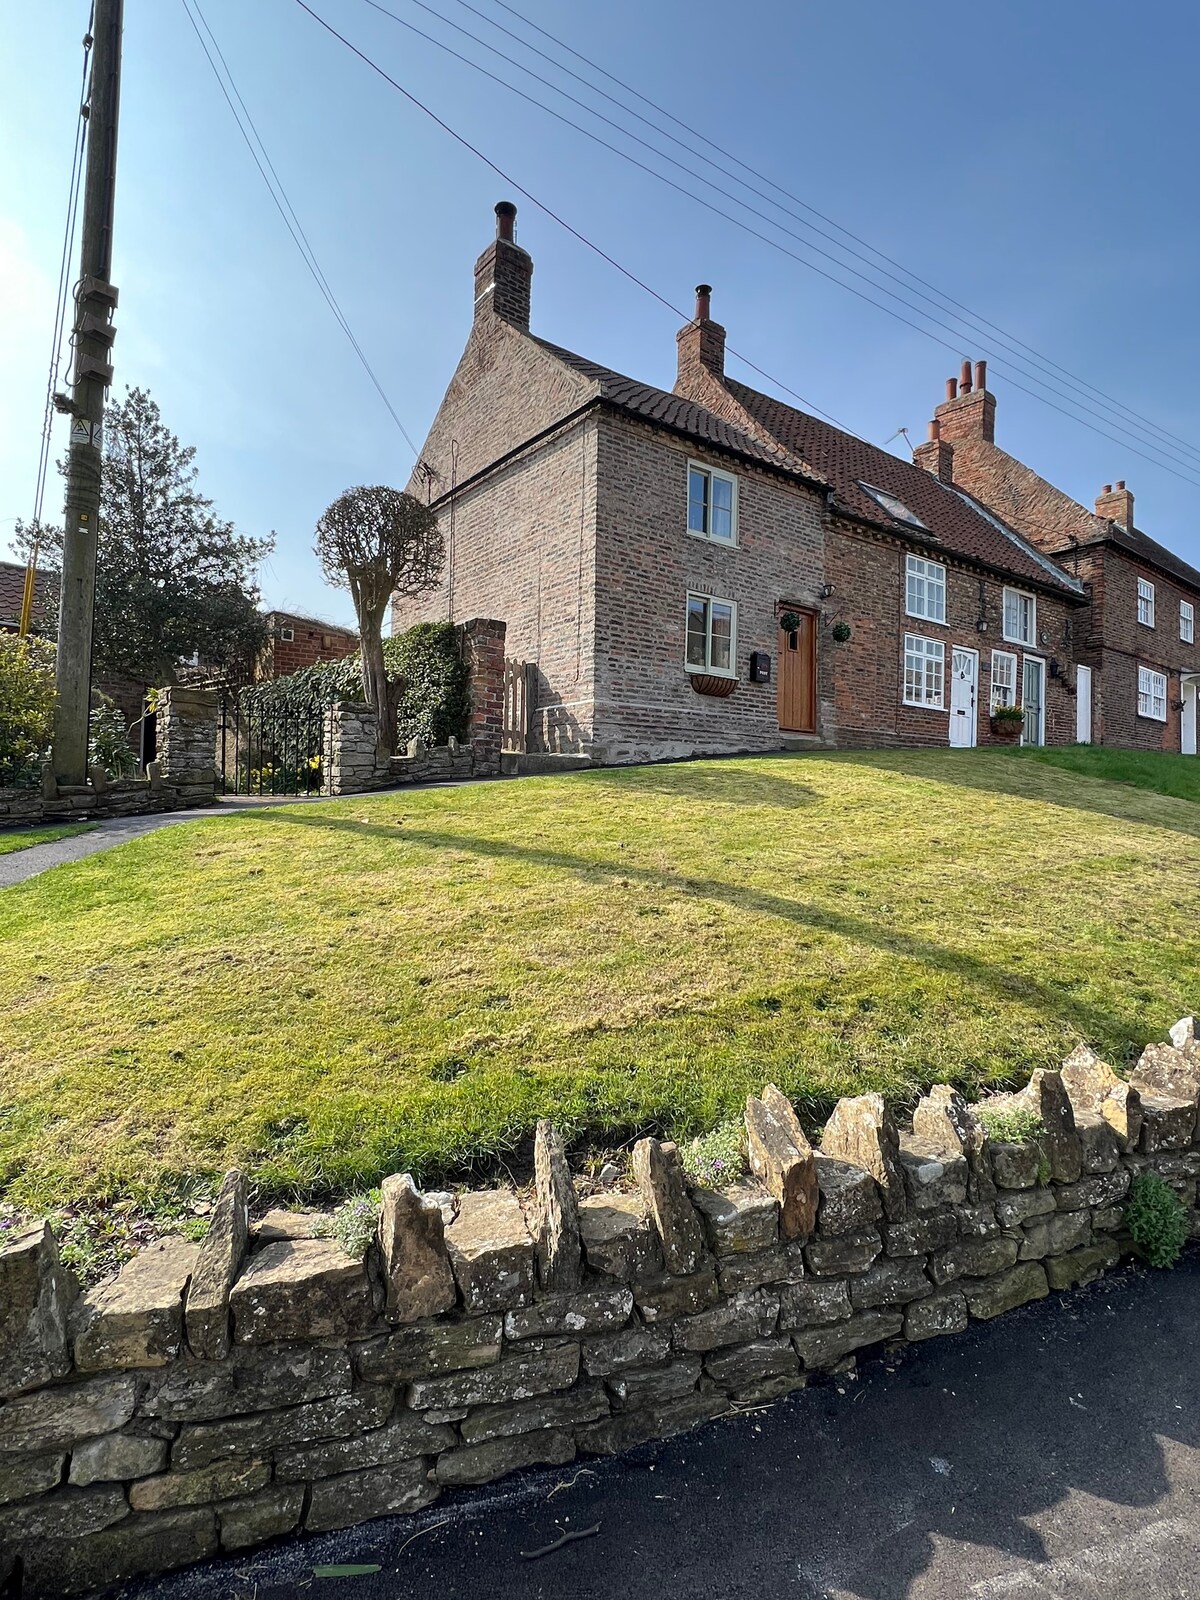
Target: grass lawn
x,y
326,993
22,838
1157,770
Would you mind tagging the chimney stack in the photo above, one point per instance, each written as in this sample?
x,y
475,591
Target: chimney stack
x,y
1116,504
701,344
503,273
968,411
936,455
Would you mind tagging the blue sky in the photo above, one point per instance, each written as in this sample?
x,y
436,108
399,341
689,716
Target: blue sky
x,y
1036,162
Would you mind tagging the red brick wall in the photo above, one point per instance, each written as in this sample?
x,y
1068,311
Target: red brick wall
x,y
482,644
311,642
869,588
1127,643
646,562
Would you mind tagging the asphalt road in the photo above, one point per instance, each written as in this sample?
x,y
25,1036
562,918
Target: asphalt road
x,y
1050,1455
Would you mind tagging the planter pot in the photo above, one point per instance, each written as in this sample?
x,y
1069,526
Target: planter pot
x,y
709,683
1006,729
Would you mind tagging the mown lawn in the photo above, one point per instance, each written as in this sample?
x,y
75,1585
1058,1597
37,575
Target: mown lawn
x,y
1156,770
330,992
22,838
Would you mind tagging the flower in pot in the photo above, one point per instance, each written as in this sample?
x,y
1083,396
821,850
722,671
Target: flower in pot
x,y
1008,722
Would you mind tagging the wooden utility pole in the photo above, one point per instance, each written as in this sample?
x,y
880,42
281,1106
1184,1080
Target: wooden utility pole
x,y
95,301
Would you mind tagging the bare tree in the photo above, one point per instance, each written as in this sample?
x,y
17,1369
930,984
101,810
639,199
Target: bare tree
x,y
377,543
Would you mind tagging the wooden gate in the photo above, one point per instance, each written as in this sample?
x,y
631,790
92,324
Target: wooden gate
x,y
520,702
797,692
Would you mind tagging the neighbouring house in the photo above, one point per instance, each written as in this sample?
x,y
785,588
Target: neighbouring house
x,y
949,611
712,570
295,641
1138,665
12,592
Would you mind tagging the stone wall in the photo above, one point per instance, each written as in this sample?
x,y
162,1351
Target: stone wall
x,y
182,778
212,1397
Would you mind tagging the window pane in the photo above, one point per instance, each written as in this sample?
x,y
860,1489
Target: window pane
x,y
722,494
722,635
697,501
697,631
722,519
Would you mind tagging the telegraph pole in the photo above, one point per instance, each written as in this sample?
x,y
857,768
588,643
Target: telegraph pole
x,y
95,302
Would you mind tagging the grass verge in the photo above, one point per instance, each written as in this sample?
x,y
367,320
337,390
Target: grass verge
x,y
328,993
12,839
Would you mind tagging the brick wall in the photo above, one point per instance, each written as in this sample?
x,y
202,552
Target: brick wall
x,y
646,562
311,641
869,590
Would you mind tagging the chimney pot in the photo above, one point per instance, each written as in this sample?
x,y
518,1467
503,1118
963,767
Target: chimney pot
x,y
935,428
1120,483
951,388
506,215
1108,488
964,378
981,374
703,301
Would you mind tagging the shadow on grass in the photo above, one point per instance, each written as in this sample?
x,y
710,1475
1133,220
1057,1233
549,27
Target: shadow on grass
x,y
713,781
1093,1023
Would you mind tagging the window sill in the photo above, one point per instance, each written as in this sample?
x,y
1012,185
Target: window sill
x,y
707,538
932,621
924,705
1148,716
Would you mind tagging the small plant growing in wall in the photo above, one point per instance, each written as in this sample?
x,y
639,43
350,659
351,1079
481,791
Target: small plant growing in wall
x,y
717,1158
1008,1124
354,1222
1157,1220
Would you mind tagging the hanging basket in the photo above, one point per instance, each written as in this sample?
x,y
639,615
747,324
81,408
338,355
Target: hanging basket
x,y
789,621
708,683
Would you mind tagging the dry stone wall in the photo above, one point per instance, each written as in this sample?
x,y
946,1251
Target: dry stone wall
x,y
211,1397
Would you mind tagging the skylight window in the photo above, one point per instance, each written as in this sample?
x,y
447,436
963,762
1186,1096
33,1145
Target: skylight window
x,y
893,505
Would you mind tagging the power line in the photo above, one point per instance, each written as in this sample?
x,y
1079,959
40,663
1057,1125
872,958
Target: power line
x,y
283,205
62,296
546,210
1076,380
1125,442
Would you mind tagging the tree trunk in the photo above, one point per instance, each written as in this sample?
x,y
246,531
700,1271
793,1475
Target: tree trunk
x,y
375,684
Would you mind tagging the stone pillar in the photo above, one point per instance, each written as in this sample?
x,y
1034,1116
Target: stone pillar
x,y
187,742
351,749
482,643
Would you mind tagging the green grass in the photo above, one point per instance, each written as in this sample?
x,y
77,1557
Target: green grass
x,y
12,839
329,993
1154,770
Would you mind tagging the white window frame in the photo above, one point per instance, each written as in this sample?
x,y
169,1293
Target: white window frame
x,y
1022,598
929,580
1152,692
1187,622
1145,602
709,601
287,634
1010,657
927,651
712,474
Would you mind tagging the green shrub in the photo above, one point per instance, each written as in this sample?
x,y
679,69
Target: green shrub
x,y
26,705
353,1223
1157,1220
1010,1124
716,1158
108,739
436,704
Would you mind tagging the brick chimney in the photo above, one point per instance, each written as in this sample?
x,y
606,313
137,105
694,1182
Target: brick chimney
x,y
702,343
935,455
503,273
1116,504
968,411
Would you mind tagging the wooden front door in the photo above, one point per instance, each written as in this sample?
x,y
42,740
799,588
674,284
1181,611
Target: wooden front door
x,y
797,682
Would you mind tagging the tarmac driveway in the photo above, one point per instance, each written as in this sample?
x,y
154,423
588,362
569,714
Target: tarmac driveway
x,y
1050,1455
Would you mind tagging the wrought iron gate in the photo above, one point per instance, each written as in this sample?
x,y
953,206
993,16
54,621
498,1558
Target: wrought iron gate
x,y
266,747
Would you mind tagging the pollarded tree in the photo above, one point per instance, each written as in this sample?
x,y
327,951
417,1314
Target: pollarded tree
x,y
379,542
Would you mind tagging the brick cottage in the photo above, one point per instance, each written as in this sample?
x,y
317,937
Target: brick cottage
x,y
711,570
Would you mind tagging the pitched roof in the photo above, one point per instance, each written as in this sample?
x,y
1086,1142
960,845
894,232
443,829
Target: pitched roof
x,y
681,416
951,520
12,592
1144,548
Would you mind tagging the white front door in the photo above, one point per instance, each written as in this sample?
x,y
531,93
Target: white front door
x,y
1083,705
1191,712
964,675
1033,698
